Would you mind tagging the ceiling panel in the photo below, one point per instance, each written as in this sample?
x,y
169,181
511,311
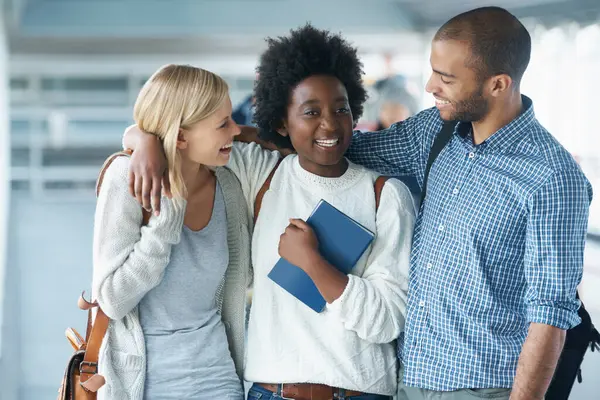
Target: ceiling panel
x,y
181,18
239,26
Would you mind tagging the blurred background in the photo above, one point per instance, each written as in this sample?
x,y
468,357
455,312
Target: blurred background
x,y
70,71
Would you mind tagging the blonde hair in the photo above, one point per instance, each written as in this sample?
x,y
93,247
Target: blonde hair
x,y
177,97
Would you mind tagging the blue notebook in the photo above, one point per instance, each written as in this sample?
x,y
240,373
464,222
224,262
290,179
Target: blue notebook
x,y
342,241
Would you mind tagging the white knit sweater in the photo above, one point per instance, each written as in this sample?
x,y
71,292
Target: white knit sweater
x,y
351,344
130,260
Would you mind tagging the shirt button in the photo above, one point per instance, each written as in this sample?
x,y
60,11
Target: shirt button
x,y
441,228
429,265
471,155
421,303
455,191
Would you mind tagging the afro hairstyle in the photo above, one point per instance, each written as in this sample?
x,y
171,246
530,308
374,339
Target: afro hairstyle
x,y
289,60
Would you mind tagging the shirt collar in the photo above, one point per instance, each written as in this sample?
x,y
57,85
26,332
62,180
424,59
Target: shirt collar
x,y
505,136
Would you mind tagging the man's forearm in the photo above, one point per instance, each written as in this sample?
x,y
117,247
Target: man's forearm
x,y
539,356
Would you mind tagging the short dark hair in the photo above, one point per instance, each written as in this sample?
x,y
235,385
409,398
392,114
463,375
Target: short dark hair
x,y
289,60
498,41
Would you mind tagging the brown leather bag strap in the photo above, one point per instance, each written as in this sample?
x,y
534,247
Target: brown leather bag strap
x,y
379,184
263,190
88,369
94,335
83,304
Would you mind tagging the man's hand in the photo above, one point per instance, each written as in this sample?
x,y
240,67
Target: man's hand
x,y
539,356
299,244
148,173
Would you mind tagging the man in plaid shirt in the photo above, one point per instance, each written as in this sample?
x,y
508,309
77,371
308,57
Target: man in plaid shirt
x,y
498,246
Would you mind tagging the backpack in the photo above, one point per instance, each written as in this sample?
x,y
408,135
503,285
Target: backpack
x,y
577,340
81,380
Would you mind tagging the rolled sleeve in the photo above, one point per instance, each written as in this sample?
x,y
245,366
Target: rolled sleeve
x,y
560,315
340,304
556,231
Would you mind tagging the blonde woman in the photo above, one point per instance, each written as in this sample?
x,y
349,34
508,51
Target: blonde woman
x,y
174,288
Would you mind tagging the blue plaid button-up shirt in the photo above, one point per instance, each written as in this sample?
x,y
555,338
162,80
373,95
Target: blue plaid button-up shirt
x,y
498,244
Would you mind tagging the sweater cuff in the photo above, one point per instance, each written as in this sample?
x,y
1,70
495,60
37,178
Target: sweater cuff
x,y
339,305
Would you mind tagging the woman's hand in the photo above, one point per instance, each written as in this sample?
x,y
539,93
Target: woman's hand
x,y
148,173
299,245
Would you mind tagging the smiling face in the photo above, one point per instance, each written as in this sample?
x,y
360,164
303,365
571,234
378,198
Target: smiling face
x,y
320,125
209,142
458,90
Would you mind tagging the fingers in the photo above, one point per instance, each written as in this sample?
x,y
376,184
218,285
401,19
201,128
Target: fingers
x,y
137,190
146,192
156,191
300,224
131,183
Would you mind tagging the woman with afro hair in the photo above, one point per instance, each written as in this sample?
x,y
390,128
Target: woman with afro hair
x,y
309,95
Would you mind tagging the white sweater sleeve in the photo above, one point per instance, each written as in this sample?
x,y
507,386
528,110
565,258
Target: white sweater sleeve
x,y
252,165
129,260
374,304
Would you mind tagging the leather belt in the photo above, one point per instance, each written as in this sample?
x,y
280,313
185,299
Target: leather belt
x,y
308,391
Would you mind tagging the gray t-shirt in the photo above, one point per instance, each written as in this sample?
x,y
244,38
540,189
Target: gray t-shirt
x,y
186,346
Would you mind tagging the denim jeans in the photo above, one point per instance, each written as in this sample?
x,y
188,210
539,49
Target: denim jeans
x,y
259,393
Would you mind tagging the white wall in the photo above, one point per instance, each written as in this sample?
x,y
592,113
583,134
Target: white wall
x,y
4,160
8,386
51,247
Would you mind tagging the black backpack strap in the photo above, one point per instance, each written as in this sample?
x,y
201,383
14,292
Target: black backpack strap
x,y
595,341
441,140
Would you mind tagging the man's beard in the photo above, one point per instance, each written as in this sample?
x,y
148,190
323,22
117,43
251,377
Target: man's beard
x,y
472,109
